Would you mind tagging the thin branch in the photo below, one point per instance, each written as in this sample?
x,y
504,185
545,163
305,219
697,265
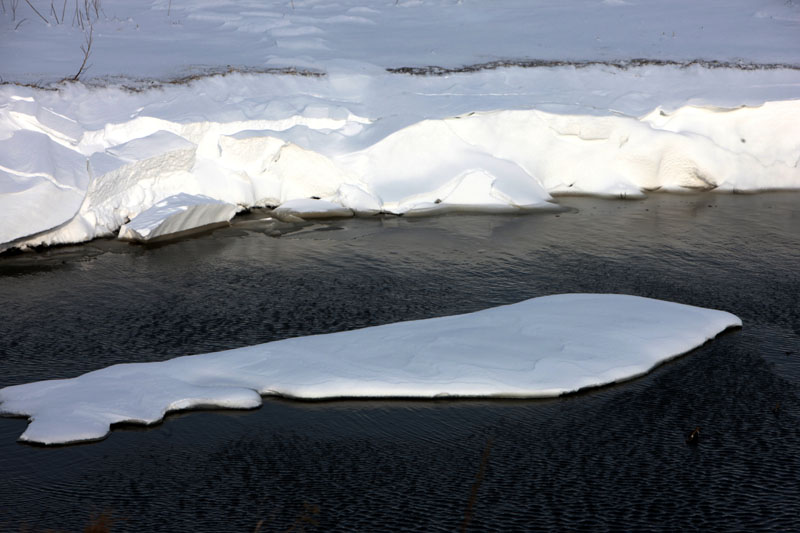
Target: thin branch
x,y
35,11
476,485
77,16
86,49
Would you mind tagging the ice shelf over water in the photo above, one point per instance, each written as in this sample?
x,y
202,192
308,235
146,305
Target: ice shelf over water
x,y
536,348
175,214
64,182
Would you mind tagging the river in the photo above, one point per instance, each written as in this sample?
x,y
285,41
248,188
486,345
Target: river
x,y
613,458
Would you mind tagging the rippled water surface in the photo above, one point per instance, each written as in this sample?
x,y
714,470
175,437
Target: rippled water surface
x,y
611,459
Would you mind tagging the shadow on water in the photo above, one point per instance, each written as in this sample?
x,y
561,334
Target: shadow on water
x,y
613,458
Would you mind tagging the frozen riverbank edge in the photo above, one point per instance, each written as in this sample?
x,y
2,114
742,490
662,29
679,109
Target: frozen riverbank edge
x,y
83,162
542,347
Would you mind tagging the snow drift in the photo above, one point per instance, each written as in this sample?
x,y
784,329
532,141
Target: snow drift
x,y
62,182
540,347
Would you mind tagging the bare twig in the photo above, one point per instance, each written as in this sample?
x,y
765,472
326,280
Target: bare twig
x,y
473,496
63,11
89,6
53,11
77,16
37,12
19,24
86,49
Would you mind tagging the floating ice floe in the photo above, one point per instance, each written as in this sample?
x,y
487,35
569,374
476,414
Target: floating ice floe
x,y
541,347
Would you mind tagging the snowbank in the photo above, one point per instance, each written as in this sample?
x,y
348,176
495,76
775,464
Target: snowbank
x,y
540,347
626,97
84,183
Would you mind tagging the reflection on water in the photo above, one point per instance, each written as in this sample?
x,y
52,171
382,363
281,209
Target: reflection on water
x,y
612,459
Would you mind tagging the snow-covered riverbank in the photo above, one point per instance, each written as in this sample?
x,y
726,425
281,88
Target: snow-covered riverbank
x,y
80,163
359,136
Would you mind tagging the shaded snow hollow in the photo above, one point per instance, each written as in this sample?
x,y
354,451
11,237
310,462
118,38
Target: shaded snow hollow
x,y
541,347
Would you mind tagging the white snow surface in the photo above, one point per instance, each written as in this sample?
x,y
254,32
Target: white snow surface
x,y
176,214
536,348
702,111
173,38
311,208
66,179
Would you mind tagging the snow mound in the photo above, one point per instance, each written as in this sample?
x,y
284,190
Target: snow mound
x,y
179,213
87,182
40,175
540,347
311,208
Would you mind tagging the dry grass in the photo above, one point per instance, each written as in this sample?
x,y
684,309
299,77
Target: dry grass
x,y
433,70
85,12
86,48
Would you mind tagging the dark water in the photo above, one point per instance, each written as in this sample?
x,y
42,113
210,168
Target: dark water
x,y
613,459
